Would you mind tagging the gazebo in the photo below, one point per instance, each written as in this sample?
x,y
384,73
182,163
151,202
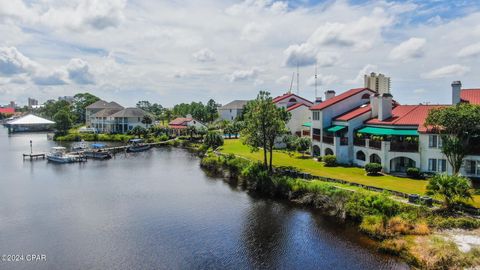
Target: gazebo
x,y
29,123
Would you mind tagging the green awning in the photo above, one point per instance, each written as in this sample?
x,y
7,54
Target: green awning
x,y
307,124
335,128
388,131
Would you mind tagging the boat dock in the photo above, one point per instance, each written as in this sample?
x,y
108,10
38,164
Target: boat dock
x,y
32,156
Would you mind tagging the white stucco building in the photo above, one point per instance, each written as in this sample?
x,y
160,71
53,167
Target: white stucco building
x,y
361,126
232,110
298,108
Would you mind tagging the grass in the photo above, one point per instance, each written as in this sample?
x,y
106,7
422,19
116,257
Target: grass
x,y
350,174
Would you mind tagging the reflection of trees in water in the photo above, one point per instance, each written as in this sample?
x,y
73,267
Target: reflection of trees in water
x,y
265,233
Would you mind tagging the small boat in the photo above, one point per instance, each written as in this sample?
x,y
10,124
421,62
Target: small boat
x,y
59,155
97,151
80,146
137,145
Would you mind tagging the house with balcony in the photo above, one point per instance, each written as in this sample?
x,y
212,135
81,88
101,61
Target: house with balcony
x,y
232,110
96,107
361,126
298,108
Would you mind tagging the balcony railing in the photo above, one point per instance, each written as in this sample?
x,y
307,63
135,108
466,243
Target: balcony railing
x,y
474,149
404,146
359,142
316,137
343,141
327,139
375,144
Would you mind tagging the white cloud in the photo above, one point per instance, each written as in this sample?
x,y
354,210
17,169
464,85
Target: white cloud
x,y
367,69
204,55
327,59
254,31
447,71
284,80
255,6
14,62
79,72
301,55
470,51
409,49
244,75
57,77
322,80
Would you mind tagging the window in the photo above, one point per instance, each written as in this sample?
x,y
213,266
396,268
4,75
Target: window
x,y
316,115
432,141
360,155
442,165
470,166
316,131
432,165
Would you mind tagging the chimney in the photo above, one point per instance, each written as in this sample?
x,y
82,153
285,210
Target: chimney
x,y
318,100
329,94
456,89
385,107
374,104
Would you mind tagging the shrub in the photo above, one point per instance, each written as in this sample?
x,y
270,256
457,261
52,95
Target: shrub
x,y
421,228
373,168
213,140
373,225
413,172
257,178
363,203
454,223
393,246
330,160
398,225
451,188
163,137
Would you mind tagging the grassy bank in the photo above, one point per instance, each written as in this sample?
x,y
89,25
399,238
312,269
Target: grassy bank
x,y
76,137
401,229
350,174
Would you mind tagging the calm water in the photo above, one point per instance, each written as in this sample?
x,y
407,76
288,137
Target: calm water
x,y
157,210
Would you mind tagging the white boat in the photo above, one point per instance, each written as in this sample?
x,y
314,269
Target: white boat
x,y
59,155
79,146
97,151
137,145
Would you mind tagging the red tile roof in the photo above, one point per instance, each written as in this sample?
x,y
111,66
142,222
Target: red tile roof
x,y
407,115
471,96
288,95
336,99
293,107
353,113
7,110
180,121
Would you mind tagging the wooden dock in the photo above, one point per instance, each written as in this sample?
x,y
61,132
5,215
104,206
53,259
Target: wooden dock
x,y
33,156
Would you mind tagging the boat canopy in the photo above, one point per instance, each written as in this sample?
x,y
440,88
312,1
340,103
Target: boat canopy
x,y
388,131
97,145
136,140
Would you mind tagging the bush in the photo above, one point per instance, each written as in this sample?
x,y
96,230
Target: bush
x,y
373,168
413,172
364,203
213,140
393,246
454,223
330,160
373,226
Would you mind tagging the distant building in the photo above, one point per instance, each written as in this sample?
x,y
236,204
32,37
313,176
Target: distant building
x,y
232,110
12,105
68,99
378,83
29,123
32,102
96,107
181,124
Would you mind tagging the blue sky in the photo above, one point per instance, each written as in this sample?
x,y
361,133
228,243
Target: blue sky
x,y
180,51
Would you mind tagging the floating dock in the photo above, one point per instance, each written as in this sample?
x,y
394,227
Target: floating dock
x,y
32,156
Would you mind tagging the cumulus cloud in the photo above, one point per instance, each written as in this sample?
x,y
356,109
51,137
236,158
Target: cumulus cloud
x,y
204,55
244,75
327,59
322,80
254,31
88,14
57,77
409,49
470,51
254,6
447,71
79,72
360,75
301,55
13,62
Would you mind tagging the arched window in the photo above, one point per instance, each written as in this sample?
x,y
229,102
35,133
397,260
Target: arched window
x,y
328,151
374,158
316,151
360,155
292,100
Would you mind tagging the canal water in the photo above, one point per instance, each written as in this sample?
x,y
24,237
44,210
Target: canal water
x,y
158,210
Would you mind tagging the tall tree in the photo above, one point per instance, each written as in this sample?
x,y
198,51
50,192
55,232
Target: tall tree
x,y
263,124
212,110
80,102
147,120
63,121
52,107
155,109
457,126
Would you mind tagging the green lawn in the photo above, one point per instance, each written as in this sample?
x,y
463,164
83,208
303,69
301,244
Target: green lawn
x,y
351,174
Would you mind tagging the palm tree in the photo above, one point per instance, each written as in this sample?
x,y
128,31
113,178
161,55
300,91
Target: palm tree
x,y
451,188
147,120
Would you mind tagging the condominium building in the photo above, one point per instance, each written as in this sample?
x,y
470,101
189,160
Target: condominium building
x,y
377,82
363,125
